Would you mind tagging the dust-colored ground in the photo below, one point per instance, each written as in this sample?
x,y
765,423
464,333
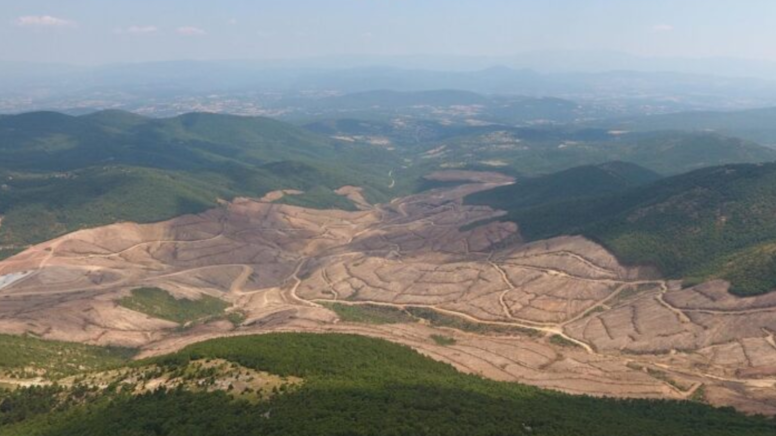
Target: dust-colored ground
x,y
599,328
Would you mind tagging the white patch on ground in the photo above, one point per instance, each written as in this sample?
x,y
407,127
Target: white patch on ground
x,y
9,279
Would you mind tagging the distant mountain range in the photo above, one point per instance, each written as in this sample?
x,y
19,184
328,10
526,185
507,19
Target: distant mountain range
x,y
652,89
755,124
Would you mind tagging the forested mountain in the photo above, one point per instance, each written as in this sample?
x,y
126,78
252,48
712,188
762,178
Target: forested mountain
x,y
59,173
575,183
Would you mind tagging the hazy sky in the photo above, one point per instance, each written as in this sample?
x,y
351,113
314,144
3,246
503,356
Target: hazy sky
x,y
102,31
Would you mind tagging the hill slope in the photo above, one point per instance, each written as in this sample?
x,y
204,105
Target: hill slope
x,y
336,385
574,183
711,223
59,173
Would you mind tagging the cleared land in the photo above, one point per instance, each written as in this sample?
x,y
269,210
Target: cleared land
x,y
561,313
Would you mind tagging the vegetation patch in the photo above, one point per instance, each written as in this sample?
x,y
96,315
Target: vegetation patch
x,y
237,318
443,340
699,395
25,357
352,385
370,313
664,377
159,303
562,342
319,198
633,290
438,319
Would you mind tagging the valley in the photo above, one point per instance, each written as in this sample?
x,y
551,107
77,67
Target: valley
x,y
458,285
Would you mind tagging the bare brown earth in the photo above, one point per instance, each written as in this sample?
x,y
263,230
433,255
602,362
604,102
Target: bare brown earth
x,y
599,328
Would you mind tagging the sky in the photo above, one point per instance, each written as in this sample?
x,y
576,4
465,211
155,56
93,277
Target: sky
x,y
110,31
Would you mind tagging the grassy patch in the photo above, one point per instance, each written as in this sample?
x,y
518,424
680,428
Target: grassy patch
x,y
562,342
699,395
158,303
597,309
631,291
443,340
438,319
236,318
663,376
319,198
26,357
370,313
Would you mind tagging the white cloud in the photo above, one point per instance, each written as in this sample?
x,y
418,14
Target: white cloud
x,y
662,28
190,31
138,30
43,21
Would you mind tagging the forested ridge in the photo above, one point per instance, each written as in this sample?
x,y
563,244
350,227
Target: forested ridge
x,y
354,385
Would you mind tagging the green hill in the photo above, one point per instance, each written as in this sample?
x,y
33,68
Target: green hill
x,y
678,152
574,183
711,223
59,173
350,385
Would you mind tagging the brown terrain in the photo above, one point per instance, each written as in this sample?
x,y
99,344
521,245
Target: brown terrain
x,y
561,314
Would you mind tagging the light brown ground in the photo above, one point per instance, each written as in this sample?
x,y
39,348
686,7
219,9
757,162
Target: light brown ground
x,y
630,333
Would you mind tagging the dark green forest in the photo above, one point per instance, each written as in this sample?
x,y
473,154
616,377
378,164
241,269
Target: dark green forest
x,y
60,173
354,386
